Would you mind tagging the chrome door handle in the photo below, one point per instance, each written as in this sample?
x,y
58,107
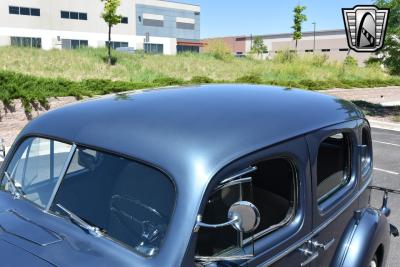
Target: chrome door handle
x,y
325,247
312,256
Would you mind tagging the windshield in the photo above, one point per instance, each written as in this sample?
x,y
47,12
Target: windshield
x,y
128,201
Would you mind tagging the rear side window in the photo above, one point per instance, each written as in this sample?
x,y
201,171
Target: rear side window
x,y
366,152
333,165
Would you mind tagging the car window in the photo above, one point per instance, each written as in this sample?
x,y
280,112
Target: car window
x,y
129,201
272,190
36,167
333,165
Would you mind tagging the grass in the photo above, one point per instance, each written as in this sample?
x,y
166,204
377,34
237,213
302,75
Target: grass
x,y
34,75
89,64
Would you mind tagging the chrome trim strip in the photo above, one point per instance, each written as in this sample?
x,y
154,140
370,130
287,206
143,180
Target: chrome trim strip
x,y
62,174
317,230
238,175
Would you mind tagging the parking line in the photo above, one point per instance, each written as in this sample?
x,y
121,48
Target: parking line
x,y
386,143
390,172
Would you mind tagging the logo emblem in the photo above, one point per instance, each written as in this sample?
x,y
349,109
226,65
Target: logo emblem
x,y
365,27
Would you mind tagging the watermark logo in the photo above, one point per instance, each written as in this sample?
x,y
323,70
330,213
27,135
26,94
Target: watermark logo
x,y
365,27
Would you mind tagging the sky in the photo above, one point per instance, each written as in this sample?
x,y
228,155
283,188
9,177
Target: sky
x,y
245,17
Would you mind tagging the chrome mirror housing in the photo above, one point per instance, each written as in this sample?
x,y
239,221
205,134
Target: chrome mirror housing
x,y
243,216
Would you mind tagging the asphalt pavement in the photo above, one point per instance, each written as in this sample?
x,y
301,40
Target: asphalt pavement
x,y
386,145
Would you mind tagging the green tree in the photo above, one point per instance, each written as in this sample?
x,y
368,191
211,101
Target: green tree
x,y
298,18
258,46
390,53
111,18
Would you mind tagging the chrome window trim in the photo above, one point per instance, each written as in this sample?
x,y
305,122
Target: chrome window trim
x,y
62,175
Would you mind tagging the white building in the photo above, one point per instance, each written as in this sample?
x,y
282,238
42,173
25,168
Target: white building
x,y
153,25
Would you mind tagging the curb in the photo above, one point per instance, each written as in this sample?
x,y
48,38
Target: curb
x,y
385,125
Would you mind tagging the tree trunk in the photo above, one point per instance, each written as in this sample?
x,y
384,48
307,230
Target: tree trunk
x,y
296,44
109,45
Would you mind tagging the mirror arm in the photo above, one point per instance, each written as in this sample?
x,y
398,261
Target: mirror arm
x,y
199,224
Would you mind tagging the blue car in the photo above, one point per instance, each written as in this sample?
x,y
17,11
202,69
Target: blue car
x,y
213,175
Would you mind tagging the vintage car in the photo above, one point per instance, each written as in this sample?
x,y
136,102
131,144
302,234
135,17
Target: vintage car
x,y
213,175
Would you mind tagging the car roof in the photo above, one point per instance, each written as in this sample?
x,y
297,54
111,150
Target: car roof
x,y
197,128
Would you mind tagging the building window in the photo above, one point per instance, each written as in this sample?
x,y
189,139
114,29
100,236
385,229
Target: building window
x,y
115,45
185,26
124,20
26,42
73,44
197,13
153,22
140,18
344,49
187,48
154,48
325,50
333,165
27,11
73,15
309,50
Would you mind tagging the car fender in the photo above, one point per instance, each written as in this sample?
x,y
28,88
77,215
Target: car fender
x,y
366,232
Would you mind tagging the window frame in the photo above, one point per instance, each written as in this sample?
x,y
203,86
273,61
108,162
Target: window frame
x,y
344,194
348,169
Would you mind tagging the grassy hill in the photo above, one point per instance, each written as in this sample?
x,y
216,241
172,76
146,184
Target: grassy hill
x,y
35,75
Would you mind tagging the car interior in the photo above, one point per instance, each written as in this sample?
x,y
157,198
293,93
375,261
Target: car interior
x,y
272,191
127,200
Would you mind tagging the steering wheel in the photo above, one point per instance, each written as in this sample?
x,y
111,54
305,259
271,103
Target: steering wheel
x,y
139,218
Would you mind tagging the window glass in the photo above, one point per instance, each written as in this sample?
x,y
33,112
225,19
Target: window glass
x,y
25,11
73,15
124,20
154,48
35,12
333,165
13,10
26,42
131,202
65,14
366,152
83,16
36,167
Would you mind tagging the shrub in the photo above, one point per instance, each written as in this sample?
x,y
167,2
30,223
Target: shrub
x,y
201,79
285,56
350,61
319,60
218,49
254,79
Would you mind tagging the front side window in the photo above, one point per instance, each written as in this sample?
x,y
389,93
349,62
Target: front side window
x,y
272,189
126,200
36,167
333,165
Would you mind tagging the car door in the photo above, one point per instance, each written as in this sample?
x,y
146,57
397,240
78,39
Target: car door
x,y
281,190
286,244
333,157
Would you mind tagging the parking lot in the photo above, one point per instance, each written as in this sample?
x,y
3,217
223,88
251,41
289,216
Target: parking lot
x,y
386,146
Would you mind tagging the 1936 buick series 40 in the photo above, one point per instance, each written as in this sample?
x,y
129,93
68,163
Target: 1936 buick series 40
x,y
219,175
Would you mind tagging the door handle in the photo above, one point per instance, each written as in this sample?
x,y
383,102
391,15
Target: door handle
x,y
324,247
312,255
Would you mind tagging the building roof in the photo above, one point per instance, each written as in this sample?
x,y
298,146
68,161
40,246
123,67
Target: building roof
x,y
289,35
178,128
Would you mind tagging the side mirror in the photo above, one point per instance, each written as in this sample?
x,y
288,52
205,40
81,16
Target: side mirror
x,y
243,216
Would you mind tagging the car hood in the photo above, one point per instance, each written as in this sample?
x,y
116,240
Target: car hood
x,y
30,236
12,255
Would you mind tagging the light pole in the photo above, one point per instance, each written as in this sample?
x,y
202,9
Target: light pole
x,y
314,37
